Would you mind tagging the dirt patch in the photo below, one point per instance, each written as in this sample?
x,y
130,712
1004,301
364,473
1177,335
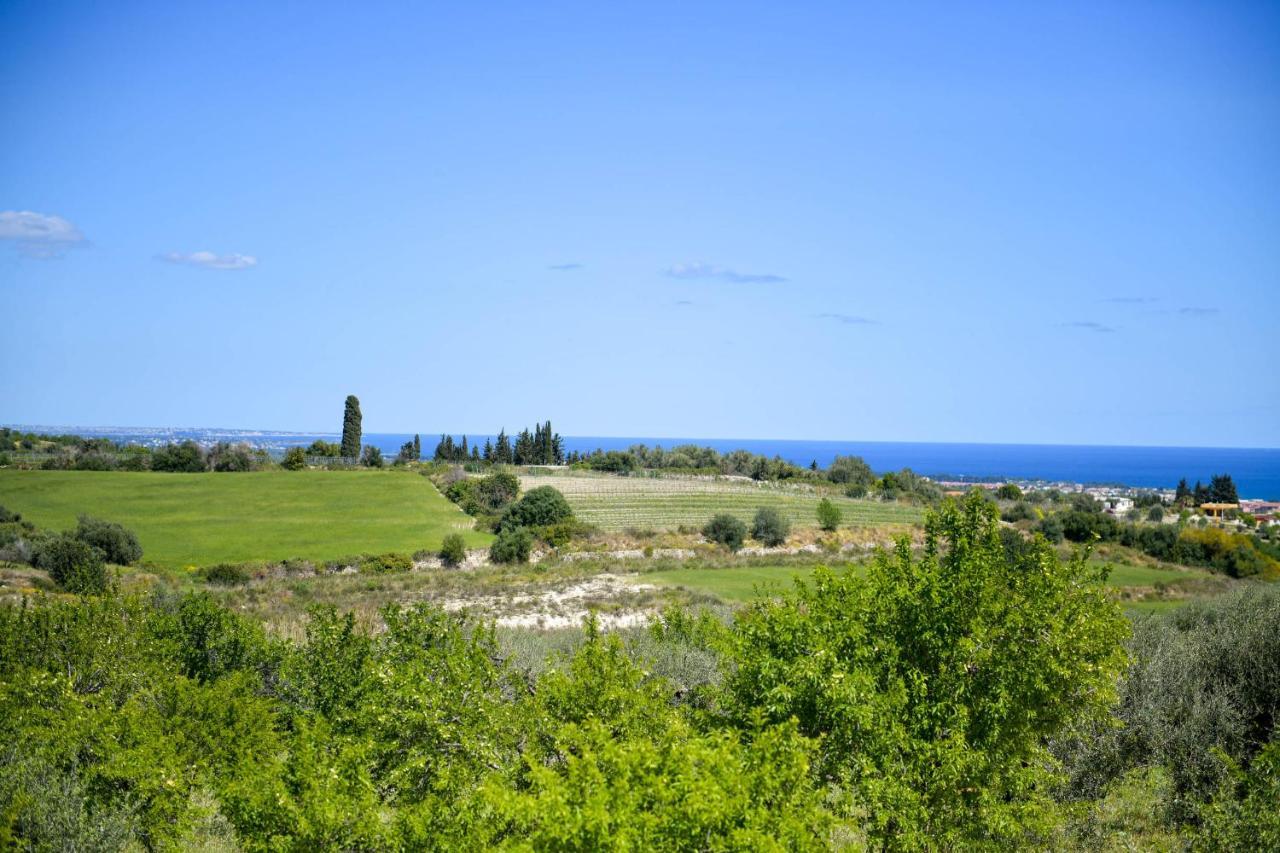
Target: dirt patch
x,y
615,599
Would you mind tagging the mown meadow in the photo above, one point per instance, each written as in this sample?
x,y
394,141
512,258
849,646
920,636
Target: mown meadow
x,y
201,519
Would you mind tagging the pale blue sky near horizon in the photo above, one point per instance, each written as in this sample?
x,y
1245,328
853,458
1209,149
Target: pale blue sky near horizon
x,y
993,222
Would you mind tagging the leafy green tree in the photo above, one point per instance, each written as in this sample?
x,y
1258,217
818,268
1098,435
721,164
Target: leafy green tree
x,y
539,507
829,515
117,544
351,428
935,682
187,457
453,551
372,457
1009,492
847,470
513,545
1183,492
225,456
727,530
1156,514
295,459
1244,814
320,447
1222,489
770,527
74,565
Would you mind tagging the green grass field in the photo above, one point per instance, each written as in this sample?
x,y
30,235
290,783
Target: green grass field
x,y
746,583
199,519
665,503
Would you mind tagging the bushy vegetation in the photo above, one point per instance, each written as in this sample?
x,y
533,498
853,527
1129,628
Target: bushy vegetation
x,y
1200,700
513,545
117,544
225,574
931,685
1238,555
829,515
769,527
453,551
295,459
540,507
73,564
383,563
726,530
912,708
484,497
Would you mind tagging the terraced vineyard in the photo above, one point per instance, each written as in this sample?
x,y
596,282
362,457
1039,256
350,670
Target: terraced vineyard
x,y
664,503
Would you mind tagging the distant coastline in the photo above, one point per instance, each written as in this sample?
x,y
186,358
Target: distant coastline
x,y
1256,470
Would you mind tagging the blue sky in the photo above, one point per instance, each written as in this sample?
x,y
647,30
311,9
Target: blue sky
x,y
938,222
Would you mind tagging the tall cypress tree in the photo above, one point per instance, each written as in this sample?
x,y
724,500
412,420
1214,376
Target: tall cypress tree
x,y
351,428
417,446
464,453
488,450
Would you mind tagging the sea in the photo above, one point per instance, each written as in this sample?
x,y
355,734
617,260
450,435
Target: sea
x,y
1256,471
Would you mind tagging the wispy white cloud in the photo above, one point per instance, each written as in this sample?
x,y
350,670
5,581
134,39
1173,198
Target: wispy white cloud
x,y
565,267
211,261
1197,312
39,235
850,319
1089,325
697,269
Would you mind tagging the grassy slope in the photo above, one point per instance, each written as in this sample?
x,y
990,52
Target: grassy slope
x,y
617,503
745,583
199,519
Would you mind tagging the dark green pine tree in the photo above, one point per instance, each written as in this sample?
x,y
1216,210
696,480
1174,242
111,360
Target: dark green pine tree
x,y
417,446
557,449
1222,489
463,452
502,452
524,448
1201,494
488,450
351,428
1183,491
546,447
475,453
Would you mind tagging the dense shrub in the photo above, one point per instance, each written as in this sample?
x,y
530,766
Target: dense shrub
x,y
1021,511
224,456
226,574
1155,514
539,507
829,515
850,470
1203,683
73,564
117,544
484,496
513,545
726,530
384,563
770,527
371,457
8,516
187,457
295,459
933,683
453,551
1009,492
1051,527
